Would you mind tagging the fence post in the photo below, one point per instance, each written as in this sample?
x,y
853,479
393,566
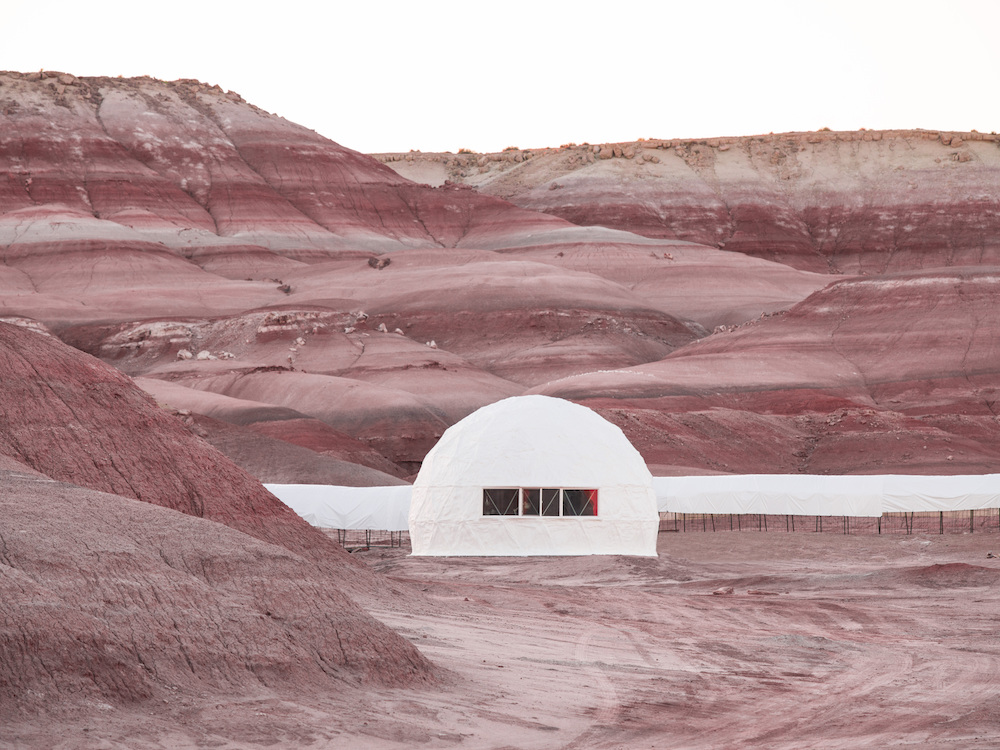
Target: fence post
x,y
972,519
940,522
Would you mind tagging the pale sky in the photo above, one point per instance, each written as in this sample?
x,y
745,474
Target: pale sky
x,y
438,76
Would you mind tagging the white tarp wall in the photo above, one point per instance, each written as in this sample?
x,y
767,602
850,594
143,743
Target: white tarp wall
x,y
907,493
331,507
822,495
387,508
533,442
775,494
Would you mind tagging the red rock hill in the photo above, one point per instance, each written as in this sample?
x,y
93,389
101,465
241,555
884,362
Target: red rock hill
x,y
221,587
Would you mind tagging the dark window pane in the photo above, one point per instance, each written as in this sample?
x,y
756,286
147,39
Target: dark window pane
x,y
550,502
500,502
579,502
530,502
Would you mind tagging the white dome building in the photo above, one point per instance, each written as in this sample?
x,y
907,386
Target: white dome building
x,y
533,475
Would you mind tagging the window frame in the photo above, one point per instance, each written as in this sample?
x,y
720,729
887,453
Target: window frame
x,y
521,501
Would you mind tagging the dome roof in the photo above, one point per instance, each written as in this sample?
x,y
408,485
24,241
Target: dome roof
x,y
533,441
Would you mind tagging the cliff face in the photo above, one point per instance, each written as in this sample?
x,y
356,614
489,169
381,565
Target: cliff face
x,y
861,202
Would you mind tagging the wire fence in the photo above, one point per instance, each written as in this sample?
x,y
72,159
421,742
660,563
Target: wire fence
x,y
941,522
929,522
363,539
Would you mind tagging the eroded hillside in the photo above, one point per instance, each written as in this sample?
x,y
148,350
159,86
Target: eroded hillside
x,y
320,317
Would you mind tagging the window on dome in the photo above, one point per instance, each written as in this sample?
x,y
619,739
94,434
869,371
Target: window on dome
x,y
536,502
539,501
550,502
579,503
500,502
531,502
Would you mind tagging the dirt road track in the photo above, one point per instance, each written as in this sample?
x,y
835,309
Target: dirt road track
x,y
849,642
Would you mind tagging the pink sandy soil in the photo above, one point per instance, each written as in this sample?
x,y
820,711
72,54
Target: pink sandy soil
x,y
828,641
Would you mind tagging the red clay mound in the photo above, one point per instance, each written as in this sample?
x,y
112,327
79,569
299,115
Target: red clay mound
x,y
108,600
77,420
102,597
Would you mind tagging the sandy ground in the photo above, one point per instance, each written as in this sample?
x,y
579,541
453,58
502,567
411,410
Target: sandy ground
x,y
828,641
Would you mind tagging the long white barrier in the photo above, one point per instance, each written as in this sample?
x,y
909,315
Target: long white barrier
x,y
777,494
387,508
333,507
821,495
903,492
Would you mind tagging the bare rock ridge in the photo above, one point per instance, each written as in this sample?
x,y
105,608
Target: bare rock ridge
x,y
842,202
106,598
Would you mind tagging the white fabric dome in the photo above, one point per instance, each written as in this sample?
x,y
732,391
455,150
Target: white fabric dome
x,y
533,442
